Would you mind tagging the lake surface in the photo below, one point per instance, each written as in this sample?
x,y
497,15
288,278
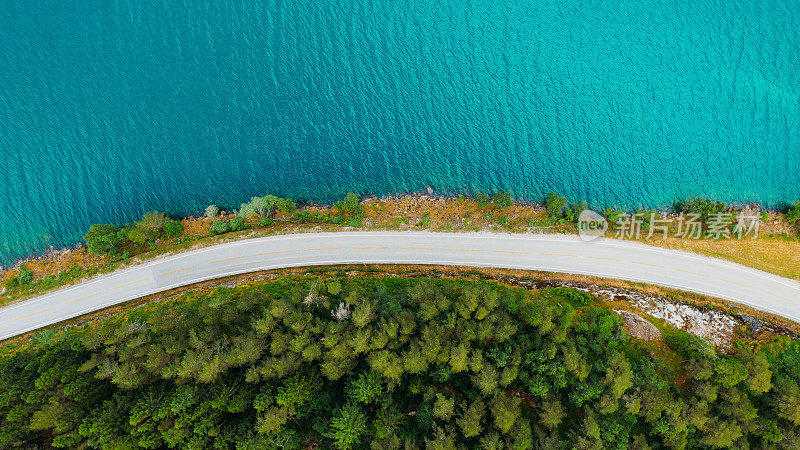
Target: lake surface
x,y
111,109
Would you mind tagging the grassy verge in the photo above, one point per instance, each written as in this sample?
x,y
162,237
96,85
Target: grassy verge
x,y
779,255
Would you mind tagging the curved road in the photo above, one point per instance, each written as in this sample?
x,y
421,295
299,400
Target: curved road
x,y
553,253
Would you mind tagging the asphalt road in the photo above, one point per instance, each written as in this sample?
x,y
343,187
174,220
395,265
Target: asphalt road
x,y
553,253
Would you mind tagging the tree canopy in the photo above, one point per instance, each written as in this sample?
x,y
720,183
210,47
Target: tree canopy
x,y
444,363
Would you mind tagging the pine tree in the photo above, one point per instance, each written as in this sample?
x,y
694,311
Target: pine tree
x,y
443,407
470,420
486,380
348,425
366,388
363,313
552,412
506,410
414,361
459,358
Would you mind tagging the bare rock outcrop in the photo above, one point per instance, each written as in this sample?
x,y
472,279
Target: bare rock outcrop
x,y
638,327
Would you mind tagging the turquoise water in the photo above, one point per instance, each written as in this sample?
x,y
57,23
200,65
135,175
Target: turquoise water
x,y
110,109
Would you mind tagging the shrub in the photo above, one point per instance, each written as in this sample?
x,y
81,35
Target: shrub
x,y
613,215
318,217
103,238
25,275
703,206
688,345
173,228
258,206
351,204
482,200
555,205
502,199
265,222
147,229
503,221
577,299
237,224
212,211
152,223
135,234
355,221
793,214
425,220
286,205
573,212
220,227
304,216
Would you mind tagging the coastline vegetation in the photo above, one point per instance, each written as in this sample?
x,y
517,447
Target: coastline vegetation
x,y
793,214
110,246
389,363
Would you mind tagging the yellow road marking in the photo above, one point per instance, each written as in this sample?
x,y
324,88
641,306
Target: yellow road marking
x,y
604,259
460,250
322,249
124,285
226,259
692,273
370,248
416,248
516,253
180,270
273,253
774,295
23,317
645,264
556,254
731,282
83,298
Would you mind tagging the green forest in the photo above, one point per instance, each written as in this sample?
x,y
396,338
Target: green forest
x,y
389,362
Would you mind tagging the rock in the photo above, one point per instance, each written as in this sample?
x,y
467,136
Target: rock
x,y
713,325
638,327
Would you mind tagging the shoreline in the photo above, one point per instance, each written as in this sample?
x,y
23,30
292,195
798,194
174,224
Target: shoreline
x,y
440,213
51,251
